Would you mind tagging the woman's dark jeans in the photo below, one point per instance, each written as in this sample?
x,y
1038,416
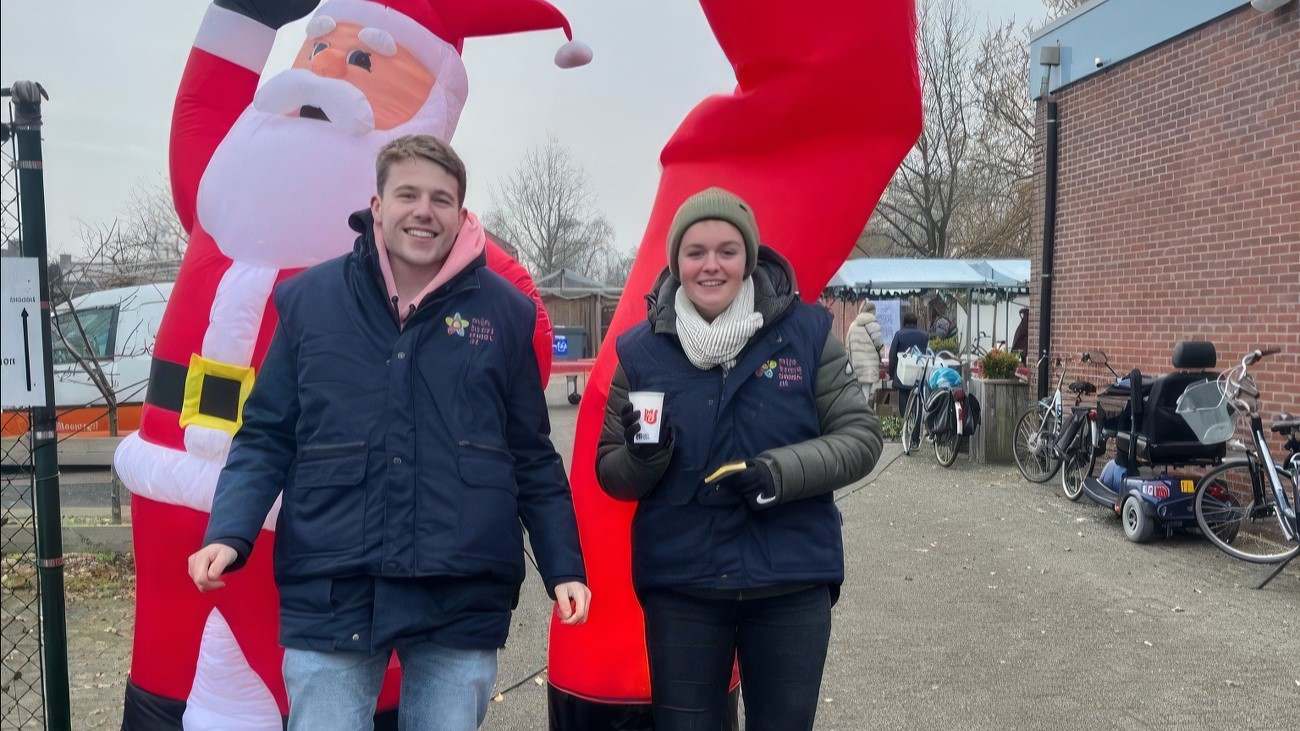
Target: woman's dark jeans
x,y
781,643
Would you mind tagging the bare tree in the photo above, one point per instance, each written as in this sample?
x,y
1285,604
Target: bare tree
x,y
918,207
152,221
77,342
1002,179
966,188
143,246
614,267
547,211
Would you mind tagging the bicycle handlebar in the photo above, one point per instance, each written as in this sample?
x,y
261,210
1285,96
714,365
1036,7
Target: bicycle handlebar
x,y
1238,380
1259,354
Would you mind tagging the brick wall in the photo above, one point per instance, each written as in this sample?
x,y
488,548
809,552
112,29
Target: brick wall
x,y
1178,209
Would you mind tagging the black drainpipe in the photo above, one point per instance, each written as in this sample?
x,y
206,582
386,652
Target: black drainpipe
x,y
1049,253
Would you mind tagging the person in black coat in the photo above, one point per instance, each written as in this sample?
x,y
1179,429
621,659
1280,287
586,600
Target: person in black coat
x,y
1020,342
910,336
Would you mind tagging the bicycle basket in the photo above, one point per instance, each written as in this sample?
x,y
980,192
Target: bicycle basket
x,y
1205,409
910,368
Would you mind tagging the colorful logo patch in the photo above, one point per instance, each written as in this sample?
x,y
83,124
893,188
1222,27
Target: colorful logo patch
x,y
767,370
456,325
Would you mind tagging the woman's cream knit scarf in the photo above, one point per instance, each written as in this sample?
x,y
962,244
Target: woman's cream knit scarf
x,y
709,344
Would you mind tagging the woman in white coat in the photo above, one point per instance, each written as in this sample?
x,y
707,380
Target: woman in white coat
x,y
864,342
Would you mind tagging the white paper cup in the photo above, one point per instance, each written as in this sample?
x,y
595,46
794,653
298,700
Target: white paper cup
x,y
651,406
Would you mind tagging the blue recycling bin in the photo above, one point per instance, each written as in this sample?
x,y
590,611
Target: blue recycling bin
x,y
569,343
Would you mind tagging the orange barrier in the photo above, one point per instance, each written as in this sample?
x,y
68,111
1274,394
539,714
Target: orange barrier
x,y
87,421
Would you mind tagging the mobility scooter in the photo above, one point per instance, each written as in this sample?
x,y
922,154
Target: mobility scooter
x,y
1152,443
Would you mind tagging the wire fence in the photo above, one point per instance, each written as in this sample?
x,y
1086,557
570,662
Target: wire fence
x,y
22,698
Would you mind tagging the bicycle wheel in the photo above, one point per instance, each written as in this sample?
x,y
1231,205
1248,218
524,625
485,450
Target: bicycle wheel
x,y
1032,444
912,423
945,448
1236,510
1076,467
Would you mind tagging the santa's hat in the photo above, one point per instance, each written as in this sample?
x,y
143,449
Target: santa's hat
x,y
416,24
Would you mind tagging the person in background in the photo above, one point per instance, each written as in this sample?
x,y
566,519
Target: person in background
x,y
864,341
1020,343
910,336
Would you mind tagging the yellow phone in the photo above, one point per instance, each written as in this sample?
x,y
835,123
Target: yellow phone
x,y
725,470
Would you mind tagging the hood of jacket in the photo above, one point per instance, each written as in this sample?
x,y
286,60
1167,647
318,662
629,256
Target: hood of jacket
x,y
366,252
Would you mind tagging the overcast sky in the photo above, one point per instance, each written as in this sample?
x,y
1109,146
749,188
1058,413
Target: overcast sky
x,y
112,68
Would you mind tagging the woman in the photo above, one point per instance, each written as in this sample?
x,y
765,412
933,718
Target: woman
x,y
864,341
750,564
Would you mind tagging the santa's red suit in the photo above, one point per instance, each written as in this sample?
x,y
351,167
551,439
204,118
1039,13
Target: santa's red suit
x,y
263,180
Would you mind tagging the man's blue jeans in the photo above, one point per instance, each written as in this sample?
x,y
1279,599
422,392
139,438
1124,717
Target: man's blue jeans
x,y
443,688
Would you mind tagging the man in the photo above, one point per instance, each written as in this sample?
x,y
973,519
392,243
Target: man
x,y
910,336
400,407
266,163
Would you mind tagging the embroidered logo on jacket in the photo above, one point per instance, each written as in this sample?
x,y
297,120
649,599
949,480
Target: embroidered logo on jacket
x,y
766,370
481,331
789,372
456,325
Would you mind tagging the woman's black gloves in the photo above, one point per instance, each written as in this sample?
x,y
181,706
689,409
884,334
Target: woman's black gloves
x,y
755,485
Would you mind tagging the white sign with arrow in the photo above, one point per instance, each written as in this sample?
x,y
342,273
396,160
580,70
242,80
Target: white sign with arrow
x,y
23,373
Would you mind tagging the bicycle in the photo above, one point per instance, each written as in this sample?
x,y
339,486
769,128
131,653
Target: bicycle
x,y
912,426
1242,506
1083,439
1037,430
913,412
947,443
1044,439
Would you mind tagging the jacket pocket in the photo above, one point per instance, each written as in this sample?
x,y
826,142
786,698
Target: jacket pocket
x,y
330,465
324,510
671,544
803,539
484,465
489,524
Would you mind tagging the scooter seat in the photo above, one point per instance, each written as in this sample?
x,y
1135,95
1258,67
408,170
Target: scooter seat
x,y
1169,453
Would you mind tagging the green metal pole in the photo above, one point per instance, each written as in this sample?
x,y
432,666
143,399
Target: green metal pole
x,y
49,537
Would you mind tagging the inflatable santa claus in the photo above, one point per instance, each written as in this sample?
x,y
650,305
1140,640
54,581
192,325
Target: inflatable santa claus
x,y
263,180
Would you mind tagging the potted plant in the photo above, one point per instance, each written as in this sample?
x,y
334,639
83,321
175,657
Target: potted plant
x,y
1002,397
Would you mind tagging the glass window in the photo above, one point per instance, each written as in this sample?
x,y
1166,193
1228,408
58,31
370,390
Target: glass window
x,y
97,322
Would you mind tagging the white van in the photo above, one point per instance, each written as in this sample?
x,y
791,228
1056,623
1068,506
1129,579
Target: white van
x,y
120,326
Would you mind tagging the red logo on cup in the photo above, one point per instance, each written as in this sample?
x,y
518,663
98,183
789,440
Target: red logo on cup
x,y
651,416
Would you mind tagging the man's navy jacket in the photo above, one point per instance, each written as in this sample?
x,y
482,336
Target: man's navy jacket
x,y
408,452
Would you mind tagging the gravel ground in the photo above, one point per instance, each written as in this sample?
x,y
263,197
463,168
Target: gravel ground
x,y
973,600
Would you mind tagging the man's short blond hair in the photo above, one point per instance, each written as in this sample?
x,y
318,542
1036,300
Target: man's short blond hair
x,y
420,147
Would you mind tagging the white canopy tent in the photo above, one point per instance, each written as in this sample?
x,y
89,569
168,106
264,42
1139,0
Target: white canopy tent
x,y
993,280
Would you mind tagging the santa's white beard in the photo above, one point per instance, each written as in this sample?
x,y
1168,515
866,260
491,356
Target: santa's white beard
x,y
279,189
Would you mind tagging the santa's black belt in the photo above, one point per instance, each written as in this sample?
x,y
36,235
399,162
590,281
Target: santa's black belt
x,y
215,391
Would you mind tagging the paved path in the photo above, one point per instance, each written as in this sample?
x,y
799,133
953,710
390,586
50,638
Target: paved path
x,y
974,600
